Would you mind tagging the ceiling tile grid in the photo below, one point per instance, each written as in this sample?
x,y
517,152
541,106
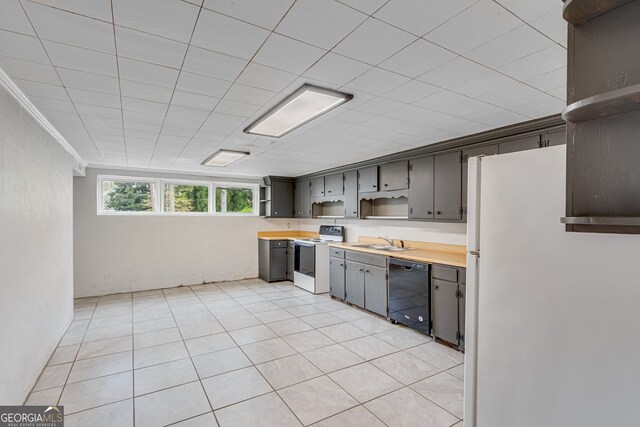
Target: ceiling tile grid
x,y
165,83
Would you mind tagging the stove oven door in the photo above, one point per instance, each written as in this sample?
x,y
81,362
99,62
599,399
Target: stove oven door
x,y
305,259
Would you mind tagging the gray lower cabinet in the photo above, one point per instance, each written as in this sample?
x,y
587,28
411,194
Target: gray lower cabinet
x,y
488,150
302,199
351,194
337,277
526,143
394,176
375,289
273,260
291,259
421,188
334,184
354,283
447,176
447,303
368,179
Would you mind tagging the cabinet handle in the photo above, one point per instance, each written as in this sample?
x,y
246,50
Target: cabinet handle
x,y
437,287
367,271
386,185
374,186
341,265
329,191
360,269
438,213
429,212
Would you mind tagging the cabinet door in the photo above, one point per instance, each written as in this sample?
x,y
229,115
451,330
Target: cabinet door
x,y
394,176
317,186
421,188
444,310
368,179
354,283
489,150
278,263
462,289
521,144
334,184
281,199
447,187
302,199
375,289
290,260
351,194
558,137
336,277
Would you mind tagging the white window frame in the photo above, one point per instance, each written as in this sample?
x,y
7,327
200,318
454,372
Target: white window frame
x,y
207,184
255,188
154,189
158,196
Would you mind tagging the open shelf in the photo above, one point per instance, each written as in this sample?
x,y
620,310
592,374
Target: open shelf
x,y
578,11
605,104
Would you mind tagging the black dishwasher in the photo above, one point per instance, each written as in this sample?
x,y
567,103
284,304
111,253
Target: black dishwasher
x,y
409,294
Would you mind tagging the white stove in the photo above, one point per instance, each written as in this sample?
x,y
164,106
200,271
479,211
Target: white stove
x,y
311,269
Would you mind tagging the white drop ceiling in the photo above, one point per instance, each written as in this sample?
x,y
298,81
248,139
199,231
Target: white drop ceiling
x,y
163,84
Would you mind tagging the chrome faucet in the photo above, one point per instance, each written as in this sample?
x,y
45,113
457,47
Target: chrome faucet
x,y
388,240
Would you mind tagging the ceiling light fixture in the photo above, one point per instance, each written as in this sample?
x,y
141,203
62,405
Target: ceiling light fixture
x,y
302,106
224,157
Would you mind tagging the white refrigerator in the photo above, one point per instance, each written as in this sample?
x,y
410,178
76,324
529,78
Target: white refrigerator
x,y
552,332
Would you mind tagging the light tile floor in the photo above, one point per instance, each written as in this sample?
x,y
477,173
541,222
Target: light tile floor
x,y
246,353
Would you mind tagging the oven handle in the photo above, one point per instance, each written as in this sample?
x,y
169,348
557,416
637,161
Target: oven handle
x,y
308,245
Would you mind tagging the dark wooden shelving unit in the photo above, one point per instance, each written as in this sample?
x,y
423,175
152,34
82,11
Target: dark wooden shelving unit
x,y
617,101
578,11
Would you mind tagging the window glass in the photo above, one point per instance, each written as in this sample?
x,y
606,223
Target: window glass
x,y
128,196
186,198
234,200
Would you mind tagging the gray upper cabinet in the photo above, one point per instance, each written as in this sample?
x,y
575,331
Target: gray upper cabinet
x,y
375,289
527,143
488,150
351,194
281,199
302,199
368,179
421,188
334,184
354,283
317,186
551,138
447,188
394,176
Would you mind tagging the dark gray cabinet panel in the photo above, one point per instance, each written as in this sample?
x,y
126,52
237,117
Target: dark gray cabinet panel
x,y
354,283
368,179
447,186
520,144
272,259
302,199
375,289
281,199
351,194
337,277
488,150
462,289
444,310
317,186
394,176
334,184
290,260
421,188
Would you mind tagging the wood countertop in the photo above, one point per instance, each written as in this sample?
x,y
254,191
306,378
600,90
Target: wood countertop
x,y
432,253
286,235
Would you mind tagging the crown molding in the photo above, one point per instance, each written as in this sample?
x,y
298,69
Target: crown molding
x,y
79,163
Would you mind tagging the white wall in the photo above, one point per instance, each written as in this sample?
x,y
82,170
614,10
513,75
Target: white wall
x,y
133,253
434,232
36,245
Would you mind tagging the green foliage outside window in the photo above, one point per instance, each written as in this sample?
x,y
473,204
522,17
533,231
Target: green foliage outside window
x,y
186,198
234,200
128,196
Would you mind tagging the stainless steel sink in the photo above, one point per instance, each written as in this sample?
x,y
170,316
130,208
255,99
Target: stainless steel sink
x,y
387,248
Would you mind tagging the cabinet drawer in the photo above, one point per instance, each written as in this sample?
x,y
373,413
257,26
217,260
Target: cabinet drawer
x,y
377,260
338,253
279,243
449,274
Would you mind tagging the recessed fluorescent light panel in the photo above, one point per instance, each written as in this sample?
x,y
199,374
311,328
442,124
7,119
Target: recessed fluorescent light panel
x,y
224,157
302,106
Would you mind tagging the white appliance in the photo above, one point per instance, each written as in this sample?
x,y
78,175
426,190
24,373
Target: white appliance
x,y
551,318
311,259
